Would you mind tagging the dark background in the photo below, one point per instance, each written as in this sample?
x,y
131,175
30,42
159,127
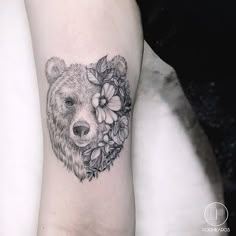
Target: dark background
x,y
197,38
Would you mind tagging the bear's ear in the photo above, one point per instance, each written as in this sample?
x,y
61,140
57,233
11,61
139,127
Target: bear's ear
x,y
120,64
54,69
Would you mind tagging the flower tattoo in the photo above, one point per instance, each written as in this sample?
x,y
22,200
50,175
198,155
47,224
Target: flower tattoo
x,y
106,103
120,131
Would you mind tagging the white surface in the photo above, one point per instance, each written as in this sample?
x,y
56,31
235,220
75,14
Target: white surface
x,y
20,136
171,186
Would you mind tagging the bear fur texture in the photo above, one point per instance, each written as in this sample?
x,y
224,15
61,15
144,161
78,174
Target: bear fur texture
x,y
88,112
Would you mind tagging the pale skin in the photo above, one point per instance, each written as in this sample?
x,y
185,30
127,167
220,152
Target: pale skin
x,y
82,31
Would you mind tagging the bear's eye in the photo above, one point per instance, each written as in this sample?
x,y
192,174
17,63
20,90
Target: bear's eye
x,y
69,102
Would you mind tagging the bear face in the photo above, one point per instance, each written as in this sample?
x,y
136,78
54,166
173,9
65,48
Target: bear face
x,y
70,106
87,111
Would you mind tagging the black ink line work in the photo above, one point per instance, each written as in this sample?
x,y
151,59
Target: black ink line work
x,y
88,112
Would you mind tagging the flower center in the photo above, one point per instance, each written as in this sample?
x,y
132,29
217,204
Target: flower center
x,y
102,101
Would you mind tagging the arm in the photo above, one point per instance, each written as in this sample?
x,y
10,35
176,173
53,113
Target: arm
x,y
85,105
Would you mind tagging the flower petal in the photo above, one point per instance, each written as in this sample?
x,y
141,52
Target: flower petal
x,y
87,152
109,119
95,99
100,113
116,139
105,138
124,120
107,148
114,103
121,92
116,128
96,153
113,114
108,91
101,144
126,133
110,116
116,82
111,142
121,135
106,129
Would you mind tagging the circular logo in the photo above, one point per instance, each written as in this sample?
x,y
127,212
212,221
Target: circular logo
x,y
216,214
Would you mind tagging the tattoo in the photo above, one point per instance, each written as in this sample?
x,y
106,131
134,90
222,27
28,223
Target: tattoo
x,y
88,112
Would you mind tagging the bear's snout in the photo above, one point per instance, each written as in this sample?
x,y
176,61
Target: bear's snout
x,y
81,128
82,132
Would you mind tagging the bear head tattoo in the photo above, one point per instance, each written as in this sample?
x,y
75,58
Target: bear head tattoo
x,y
88,112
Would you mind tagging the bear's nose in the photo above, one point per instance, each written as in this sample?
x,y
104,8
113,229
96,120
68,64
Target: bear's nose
x,y
81,128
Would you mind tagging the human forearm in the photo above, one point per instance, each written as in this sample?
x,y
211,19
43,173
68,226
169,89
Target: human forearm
x,y
82,32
